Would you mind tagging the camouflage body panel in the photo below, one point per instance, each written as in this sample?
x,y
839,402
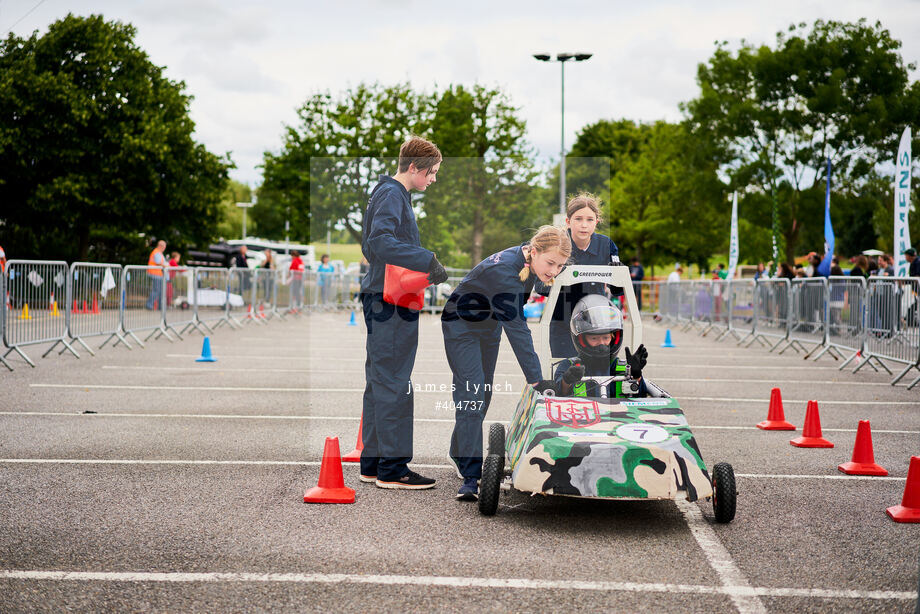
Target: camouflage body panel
x,y
593,447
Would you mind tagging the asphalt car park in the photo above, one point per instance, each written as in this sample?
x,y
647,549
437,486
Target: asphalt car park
x,y
142,480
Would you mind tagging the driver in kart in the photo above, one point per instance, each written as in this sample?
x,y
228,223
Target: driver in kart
x,y
596,328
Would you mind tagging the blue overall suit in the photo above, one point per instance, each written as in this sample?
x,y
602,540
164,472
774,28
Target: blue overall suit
x,y
600,251
390,237
490,298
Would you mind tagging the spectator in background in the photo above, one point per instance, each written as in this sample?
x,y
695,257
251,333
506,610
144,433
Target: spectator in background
x,y
873,267
785,271
296,268
913,270
156,262
173,262
761,271
860,266
239,261
886,264
363,267
239,258
813,261
675,274
800,271
325,278
637,274
267,275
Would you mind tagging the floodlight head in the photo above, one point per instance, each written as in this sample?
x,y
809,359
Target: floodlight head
x,y
581,57
543,57
562,57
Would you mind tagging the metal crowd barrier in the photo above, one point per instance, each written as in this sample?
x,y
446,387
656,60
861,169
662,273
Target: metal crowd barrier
x,y
771,319
34,315
263,294
179,314
741,313
892,330
212,299
240,311
143,297
720,307
846,307
3,302
808,316
94,303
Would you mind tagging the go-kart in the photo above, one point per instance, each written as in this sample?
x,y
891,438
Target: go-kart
x,y
601,447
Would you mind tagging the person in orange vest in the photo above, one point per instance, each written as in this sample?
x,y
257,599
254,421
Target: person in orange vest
x,y
156,262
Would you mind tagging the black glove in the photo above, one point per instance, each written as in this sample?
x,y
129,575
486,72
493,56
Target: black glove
x,y
637,361
436,272
573,373
545,384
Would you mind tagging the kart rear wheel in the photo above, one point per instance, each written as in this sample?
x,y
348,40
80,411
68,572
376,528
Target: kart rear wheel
x,y
493,469
724,495
496,439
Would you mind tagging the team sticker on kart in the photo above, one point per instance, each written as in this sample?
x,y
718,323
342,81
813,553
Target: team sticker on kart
x,y
576,414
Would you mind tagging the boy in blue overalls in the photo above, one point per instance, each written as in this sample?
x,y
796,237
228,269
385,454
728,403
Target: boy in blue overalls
x,y
597,333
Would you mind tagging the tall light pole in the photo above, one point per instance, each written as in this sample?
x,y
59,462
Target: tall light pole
x,y
562,58
244,206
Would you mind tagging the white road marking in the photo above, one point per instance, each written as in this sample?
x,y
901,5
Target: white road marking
x,y
227,388
745,593
140,461
767,381
734,584
766,401
352,418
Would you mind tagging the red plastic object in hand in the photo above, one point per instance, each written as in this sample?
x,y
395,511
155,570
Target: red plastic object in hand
x,y
404,288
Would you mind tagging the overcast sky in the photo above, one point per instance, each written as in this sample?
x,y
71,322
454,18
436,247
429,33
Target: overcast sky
x,y
249,66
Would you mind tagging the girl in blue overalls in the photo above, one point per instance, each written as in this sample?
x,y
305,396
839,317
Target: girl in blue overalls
x,y
588,248
491,298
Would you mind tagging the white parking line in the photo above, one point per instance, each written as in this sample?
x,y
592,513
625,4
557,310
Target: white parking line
x,y
746,594
820,402
352,418
708,380
733,581
129,461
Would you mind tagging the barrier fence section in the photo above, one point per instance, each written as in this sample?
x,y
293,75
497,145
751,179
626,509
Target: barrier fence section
x,y
179,314
892,330
846,309
741,312
719,307
771,319
143,298
263,294
670,300
808,316
94,304
33,315
3,302
239,305
211,297
288,291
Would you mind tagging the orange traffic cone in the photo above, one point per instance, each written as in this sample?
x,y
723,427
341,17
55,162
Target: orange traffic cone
x,y
331,487
404,287
249,313
85,310
909,510
355,455
811,431
776,419
95,305
863,462
261,312
76,308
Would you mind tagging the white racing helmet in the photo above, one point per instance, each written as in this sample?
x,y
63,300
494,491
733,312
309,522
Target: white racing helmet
x,y
595,314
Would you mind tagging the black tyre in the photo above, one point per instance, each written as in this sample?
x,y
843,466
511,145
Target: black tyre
x,y
493,469
496,439
724,495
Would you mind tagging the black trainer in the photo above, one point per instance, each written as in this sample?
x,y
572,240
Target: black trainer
x,y
410,481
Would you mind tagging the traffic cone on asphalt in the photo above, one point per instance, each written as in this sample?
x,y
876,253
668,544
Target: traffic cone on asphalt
x,y
352,321
909,510
811,430
355,455
331,487
206,352
54,310
25,313
667,340
863,462
261,312
95,305
249,314
85,310
776,419
76,308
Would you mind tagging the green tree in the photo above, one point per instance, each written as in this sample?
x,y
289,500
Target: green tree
x,y
231,216
836,90
483,200
328,163
96,147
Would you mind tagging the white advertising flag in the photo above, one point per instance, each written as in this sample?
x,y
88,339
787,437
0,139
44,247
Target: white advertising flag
x,y
902,204
733,246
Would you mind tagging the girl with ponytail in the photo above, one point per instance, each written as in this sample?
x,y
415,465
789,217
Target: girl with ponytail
x,y
491,298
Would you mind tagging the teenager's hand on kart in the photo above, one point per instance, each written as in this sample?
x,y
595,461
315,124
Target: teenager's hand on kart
x,y
637,361
574,373
545,384
436,272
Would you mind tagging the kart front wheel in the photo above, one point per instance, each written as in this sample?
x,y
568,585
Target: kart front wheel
x,y
724,495
496,439
493,469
